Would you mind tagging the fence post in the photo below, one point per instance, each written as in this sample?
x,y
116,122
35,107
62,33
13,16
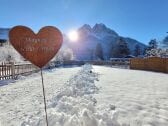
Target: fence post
x,y
13,70
166,65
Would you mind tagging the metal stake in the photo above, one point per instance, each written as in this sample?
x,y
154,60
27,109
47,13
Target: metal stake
x,y
45,105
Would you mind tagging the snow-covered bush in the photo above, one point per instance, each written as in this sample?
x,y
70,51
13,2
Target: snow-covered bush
x,y
157,53
9,54
65,54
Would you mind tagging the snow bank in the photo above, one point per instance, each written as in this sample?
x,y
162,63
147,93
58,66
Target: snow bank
x,y
74,104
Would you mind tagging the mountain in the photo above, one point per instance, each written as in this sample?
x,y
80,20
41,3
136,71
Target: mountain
x,y
4,33
89,38
132,43
85,47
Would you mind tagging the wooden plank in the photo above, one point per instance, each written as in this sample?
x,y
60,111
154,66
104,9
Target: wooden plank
x,y
4,71
152,64
0,71
13,70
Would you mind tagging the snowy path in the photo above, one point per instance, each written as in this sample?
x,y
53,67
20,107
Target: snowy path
x,y
74,104
24,97
140,97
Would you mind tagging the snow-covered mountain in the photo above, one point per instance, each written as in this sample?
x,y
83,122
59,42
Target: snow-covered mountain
x,y
84,48
4,33
89,37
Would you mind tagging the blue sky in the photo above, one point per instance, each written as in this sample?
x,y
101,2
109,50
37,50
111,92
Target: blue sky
x,y
139,19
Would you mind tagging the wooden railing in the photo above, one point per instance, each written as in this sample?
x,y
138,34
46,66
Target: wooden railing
x,y
11,70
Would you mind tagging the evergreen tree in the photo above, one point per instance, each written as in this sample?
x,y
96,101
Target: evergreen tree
x,y
99,51
137,50
121,49
111,52
153,44
165,42
91,53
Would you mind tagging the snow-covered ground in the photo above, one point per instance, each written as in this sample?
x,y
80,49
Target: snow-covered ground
x,y
23,98
86,96
140,97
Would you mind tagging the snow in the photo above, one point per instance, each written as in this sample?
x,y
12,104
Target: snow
x,y
74,105
23,98
140,97
87,96
157,53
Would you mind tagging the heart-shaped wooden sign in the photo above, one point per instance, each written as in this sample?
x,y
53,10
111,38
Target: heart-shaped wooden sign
x,y
38,48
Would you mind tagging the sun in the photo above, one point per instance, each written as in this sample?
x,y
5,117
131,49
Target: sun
x,y
73,36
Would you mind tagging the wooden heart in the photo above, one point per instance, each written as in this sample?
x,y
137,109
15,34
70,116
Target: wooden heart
x,y
38,48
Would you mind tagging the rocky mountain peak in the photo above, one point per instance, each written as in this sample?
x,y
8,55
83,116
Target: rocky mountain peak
x,y
101,28
85,29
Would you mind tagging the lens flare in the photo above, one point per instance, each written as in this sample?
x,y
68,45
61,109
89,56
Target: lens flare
x,y
73,36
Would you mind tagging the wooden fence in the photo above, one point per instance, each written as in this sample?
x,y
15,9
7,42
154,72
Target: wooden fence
x,y
152,64
11,70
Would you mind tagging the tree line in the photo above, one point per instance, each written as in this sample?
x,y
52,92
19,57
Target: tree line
x,y
119,49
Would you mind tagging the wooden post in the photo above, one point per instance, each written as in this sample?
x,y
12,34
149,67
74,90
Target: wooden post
x,y
1,71
166,65
5,71
13,70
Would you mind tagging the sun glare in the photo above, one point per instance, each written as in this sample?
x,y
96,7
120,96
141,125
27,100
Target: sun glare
x,y
73,36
